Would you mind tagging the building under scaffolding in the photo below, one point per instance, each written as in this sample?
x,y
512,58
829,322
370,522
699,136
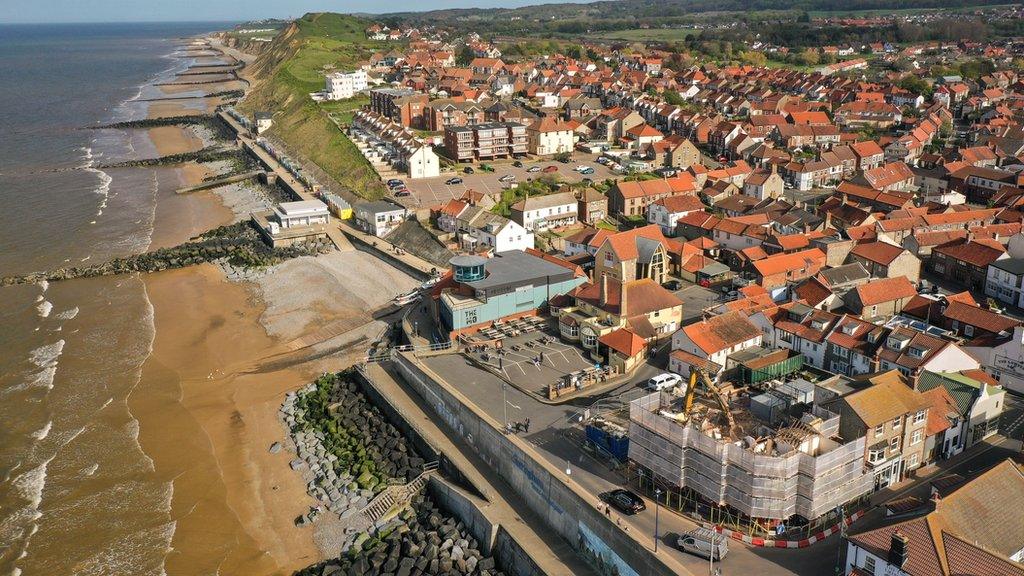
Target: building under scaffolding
x,y
770,474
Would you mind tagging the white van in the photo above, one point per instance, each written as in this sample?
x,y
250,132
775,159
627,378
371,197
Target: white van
x,y
704,542
664,381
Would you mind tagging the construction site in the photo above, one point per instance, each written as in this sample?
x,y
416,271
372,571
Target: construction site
x,y
760,459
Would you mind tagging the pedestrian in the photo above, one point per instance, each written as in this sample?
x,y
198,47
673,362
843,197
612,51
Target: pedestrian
x,y
542,357
527,426
608,511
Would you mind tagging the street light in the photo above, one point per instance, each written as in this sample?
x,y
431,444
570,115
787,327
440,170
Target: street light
x,y
568,471
657,508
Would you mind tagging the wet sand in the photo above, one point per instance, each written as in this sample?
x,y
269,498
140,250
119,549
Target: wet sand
x,y
208,415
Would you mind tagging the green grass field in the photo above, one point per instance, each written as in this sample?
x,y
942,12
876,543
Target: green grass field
x,y
647,34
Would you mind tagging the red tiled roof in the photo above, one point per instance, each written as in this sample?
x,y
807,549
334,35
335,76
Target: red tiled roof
x,y
720,332
624,341
885,290
878,252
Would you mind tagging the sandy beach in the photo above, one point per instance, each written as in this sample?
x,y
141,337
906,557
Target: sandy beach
x,y
207,413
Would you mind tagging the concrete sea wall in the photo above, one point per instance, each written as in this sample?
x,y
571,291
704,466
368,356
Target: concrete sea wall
x,y
564,507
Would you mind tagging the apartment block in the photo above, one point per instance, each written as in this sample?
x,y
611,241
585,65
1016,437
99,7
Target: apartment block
x,y
485,141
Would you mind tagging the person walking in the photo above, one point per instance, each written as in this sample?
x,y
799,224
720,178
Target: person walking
x,y
526,425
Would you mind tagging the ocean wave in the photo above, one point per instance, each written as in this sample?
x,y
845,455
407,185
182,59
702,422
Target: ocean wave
x,y
90,470
68,314
45,358
43,285
44,308
43,432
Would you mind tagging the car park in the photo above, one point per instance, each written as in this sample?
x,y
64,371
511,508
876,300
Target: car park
x,y
626,501
454,180
664,381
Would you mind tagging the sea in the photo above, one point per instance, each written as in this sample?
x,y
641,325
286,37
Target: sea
x,y
78,495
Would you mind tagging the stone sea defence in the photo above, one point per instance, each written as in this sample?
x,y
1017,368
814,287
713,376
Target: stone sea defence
x,y
351,453
239,244
422,539
208,154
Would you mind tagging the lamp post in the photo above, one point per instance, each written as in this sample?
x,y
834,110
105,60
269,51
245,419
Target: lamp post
x,y
657,508
504,405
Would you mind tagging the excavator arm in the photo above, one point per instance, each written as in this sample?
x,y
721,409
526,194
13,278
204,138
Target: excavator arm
x,y
723,404
691,390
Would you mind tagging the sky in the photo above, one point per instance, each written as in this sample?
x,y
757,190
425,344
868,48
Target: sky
x,y
36,11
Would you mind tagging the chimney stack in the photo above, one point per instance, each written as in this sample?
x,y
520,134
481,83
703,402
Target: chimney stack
x,y
604,289
899,550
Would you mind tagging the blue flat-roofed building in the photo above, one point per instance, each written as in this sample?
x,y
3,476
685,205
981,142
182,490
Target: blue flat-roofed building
x,y
512,284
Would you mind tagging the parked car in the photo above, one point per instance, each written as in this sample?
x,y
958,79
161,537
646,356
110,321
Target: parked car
x,y
588,170
550,169
666,172
602,160
581,167
507,178
626,501
402,193
517,164
664,381
672,285
533,169
704,542
487,168
454,180
468,170
564,160
394,182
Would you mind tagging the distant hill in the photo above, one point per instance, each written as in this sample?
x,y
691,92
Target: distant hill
x,y
653,12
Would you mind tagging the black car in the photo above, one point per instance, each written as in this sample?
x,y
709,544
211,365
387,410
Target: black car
x,y
626,501
672,285
468,169
517,164
453,181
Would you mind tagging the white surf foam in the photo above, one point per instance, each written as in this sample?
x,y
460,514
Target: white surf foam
x,y
68,314
45,358
43,432
44,308
43,285
90,470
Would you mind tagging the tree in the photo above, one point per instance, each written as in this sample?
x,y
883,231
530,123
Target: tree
x,y
753,57
465,56
808,57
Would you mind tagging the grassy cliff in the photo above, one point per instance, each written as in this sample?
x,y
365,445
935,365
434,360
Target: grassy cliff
x,y
290,68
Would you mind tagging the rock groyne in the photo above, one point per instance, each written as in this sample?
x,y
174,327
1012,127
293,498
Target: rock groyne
x,y
240,244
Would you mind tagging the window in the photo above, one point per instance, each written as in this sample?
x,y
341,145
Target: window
x,y
876,455
915,438
880,429
894,443
869,564
968,330
896,422
842,352
919,417
912,462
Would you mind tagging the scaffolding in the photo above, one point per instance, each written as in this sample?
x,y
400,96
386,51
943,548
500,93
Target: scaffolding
x,y
799,470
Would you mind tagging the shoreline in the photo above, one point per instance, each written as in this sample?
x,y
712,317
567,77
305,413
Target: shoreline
x,y
208,422
206,416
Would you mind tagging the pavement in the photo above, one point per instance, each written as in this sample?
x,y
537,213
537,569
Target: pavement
x,y
432,191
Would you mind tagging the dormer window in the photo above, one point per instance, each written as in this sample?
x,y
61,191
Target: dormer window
x,y
849,329
916,352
